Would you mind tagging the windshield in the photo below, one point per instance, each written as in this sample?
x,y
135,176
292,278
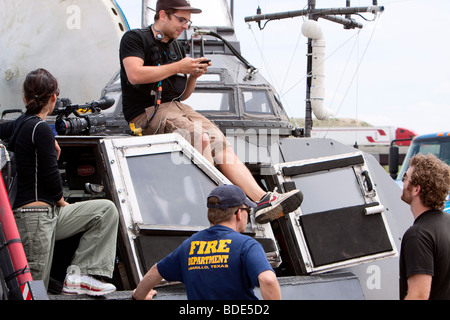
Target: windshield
x,y
217,100
163,202
329,197
257,102
439,146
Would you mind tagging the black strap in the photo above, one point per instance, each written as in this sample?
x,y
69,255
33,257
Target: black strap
x,y
17,273
12,241
18,124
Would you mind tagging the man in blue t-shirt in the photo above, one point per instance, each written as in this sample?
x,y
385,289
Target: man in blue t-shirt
x,y
217,263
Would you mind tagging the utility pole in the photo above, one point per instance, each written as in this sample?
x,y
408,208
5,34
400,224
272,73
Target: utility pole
x,y
308,108
337,15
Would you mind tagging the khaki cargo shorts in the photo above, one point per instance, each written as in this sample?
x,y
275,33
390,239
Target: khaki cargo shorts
x,y
180,118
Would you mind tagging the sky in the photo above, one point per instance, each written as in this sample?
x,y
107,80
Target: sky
x,y
393,72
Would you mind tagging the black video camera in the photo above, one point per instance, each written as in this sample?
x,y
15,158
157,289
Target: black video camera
x,y
91,121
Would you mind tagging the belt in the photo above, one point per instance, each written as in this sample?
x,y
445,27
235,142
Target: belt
x,y
32,209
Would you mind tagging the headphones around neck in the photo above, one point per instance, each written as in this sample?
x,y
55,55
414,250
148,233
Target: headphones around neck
x,y
159,35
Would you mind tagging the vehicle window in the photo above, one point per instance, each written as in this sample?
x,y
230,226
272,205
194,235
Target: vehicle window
x,y
209,77
427,148
174,194
207,100
257,102
444,153
440,149
320,194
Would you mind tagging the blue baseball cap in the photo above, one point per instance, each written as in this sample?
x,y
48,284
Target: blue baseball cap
x,y
230,196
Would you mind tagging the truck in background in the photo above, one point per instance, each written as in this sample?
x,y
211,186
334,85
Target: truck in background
x,y
365,136
434,143
373,140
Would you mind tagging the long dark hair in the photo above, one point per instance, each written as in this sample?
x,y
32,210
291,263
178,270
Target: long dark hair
x,y
38,87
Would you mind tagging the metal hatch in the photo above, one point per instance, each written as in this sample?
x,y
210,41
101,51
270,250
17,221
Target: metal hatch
x,y
341,221
161,184
164,173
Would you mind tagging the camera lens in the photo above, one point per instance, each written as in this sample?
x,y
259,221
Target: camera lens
x,y
81,125
71,126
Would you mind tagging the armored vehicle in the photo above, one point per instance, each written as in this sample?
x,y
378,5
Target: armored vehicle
x,y
342,243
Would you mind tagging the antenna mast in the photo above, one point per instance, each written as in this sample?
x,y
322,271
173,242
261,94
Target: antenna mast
x,y
338,15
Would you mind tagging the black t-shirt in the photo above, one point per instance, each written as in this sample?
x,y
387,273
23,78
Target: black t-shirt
x,y
425,249
38,177
142,44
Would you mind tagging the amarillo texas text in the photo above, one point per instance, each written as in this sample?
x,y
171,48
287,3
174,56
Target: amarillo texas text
x,y
209,254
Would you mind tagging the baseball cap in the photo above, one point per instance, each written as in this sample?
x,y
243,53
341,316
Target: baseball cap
x,y
176,4
229,196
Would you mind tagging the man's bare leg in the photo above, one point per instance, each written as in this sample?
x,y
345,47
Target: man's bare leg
x,y
232,168
270,205
206,148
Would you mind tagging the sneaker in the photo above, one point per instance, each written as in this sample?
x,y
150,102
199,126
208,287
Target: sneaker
x,y
275,205
84,284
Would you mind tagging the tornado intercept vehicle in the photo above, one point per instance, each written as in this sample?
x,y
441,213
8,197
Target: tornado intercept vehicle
x,y
342,243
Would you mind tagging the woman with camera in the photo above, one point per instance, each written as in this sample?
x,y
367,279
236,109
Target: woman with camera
x,y
42,215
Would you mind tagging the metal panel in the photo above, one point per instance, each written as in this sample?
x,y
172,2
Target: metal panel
x,y
341,220
160,184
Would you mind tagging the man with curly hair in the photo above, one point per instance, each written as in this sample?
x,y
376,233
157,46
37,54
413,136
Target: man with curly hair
x,y
425,248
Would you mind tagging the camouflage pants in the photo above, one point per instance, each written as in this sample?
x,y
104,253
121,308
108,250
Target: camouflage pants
x,y
40,227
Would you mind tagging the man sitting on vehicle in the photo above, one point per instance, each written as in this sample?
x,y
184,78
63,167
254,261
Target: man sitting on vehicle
x,y
154,82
